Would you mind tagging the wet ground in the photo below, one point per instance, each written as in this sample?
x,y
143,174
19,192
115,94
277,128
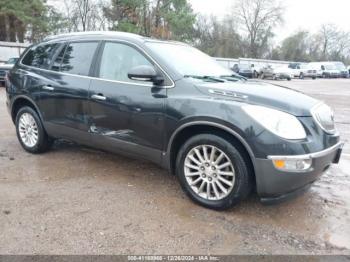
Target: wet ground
x,y
75,200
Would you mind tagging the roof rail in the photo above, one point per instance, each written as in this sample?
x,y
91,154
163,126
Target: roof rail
x,y
87,33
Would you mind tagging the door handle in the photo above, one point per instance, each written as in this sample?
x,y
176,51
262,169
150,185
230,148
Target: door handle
x,y
48,88
99,97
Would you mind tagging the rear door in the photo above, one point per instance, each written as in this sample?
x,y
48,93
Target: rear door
x,y
64,99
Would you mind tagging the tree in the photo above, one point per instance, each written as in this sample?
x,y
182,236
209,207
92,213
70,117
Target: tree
x,y
295,47
165,19
218,38
258,18
327,35
20,19
128,15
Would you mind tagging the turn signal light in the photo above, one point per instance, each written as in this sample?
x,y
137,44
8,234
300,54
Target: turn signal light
x,y
292,165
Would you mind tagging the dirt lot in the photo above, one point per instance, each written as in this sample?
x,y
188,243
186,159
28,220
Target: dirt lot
x,y
74,200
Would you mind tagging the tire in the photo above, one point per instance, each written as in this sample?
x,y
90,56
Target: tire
x,y
301,76
241,185
313,78
274,77
42,142
262,76
289,79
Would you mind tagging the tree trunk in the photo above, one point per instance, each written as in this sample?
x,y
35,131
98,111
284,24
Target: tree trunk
x,y
3,28
12,28
21,30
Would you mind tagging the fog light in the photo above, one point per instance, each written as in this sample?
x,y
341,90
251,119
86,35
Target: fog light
x,y
292,165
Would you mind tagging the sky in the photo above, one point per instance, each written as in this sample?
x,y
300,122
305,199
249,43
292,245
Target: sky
x,y
299,14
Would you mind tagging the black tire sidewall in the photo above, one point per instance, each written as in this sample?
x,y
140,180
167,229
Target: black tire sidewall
x,y
41,145
242,185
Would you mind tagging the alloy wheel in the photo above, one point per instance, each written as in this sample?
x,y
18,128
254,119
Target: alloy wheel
x,y
209,172
28,130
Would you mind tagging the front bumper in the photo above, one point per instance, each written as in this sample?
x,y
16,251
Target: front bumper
x,y
274,185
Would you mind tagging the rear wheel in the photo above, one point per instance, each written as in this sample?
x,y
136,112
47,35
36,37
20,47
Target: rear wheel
x,y
30,131
213,172
301,76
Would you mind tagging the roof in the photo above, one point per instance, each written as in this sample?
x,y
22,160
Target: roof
x,y
94,33
112,34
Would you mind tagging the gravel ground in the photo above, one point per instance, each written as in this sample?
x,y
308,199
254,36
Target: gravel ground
x,y
74,200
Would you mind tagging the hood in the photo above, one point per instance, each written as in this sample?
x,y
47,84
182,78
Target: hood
x,y
264,94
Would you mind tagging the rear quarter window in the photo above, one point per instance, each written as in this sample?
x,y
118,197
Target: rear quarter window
x,y
40,56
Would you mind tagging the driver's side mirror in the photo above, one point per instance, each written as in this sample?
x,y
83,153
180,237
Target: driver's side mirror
x,y
145,73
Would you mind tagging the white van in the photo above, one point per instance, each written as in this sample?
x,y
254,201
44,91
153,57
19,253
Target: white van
x,y
325,69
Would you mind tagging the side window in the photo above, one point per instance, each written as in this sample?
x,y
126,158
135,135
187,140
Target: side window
x,y
78,58
58,61
40,56
117,59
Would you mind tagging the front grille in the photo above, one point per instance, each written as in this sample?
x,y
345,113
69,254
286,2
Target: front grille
x,y
324,116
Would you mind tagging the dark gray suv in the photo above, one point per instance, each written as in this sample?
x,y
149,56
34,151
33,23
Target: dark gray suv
x,y
222,136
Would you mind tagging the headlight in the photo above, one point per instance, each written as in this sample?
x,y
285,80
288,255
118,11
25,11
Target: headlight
x,y
280,123
324,116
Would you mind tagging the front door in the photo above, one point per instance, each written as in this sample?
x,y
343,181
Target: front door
x,y
126,115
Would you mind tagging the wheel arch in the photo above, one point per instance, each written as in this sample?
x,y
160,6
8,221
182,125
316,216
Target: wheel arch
x,y
188,130
21,101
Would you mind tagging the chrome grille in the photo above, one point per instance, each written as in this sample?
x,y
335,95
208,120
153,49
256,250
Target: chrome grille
x,y
324,116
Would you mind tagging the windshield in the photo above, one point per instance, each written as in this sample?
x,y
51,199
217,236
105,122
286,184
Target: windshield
x,y
330,67
187,60
340,66
245,66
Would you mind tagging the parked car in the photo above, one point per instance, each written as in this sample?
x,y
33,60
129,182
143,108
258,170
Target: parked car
x,y
243,70
256,69
295,68
5,68
325,69
277,73
344,73
171,104
305,71
11,61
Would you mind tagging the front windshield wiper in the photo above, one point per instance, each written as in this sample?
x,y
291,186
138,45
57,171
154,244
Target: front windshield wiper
x,y
210,78
234,77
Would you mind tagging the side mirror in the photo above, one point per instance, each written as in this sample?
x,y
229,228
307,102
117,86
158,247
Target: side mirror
x,y
145,73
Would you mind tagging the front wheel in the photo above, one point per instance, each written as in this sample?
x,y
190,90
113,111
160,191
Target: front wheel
x,y
213,172
30,131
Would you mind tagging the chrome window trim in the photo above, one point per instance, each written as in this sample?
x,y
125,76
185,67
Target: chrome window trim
x,y
313,113
103,79
309,156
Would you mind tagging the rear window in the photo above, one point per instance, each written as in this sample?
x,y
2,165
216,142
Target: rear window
x,y
40,56
78,58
